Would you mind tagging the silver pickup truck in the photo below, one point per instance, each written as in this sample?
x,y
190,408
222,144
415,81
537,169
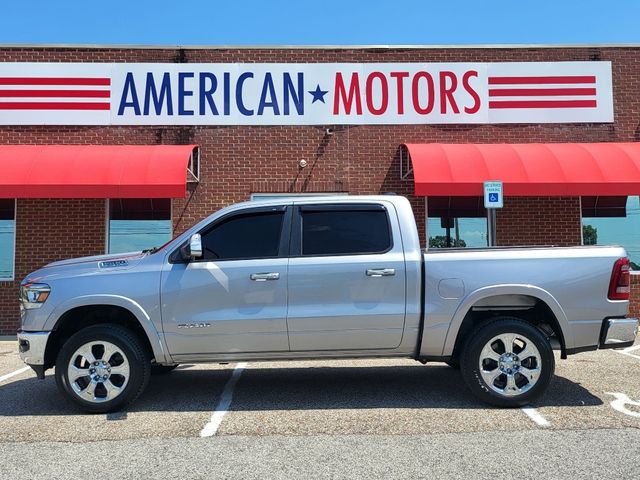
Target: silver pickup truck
x,y
337,277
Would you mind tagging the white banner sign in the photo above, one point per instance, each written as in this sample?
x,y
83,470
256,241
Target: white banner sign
x,y
304,94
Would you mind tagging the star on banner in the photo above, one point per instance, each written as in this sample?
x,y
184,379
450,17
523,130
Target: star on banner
x,y
318,94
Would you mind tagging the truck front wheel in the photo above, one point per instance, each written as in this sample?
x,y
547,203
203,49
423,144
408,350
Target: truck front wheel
x,y
507,362
102,368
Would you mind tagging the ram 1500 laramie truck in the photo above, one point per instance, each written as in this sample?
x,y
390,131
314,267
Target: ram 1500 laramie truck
x,y
336,277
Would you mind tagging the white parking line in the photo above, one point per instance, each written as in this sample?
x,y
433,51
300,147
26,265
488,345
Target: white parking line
x,y
13,374
211,428
627,351
534,415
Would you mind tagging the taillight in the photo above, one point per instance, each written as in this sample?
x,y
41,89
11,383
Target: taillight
x,y
620,285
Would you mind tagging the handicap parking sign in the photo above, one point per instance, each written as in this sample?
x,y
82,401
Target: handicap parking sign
x,y
493,194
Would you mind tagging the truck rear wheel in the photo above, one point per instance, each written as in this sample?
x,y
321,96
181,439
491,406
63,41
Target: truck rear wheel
x,y
507,362
102,368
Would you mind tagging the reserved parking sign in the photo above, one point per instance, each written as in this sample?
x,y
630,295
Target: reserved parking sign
x,y
493,194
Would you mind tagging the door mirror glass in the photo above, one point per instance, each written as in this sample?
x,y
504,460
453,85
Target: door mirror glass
x,y
195,246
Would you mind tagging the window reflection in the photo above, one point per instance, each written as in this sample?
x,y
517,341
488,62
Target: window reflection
x,y
457,232
137,235
623,230
138,224
7,238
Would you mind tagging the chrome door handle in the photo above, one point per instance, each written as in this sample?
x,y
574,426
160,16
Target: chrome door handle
x,y
263,277
381,272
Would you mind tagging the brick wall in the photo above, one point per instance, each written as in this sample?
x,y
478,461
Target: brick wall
x,y
238,161
539,221
49,230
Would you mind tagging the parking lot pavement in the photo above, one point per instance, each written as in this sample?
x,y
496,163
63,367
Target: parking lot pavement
x,y
358,397
327,419
175,405
321,397
9,360
600,375
402,397
525,455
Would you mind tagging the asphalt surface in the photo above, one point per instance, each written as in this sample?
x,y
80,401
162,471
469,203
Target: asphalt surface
x,y
327,419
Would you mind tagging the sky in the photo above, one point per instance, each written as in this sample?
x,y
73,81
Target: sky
x,y
328,22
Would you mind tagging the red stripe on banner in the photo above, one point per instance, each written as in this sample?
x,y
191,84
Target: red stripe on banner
x,y
54,106
544,104
540,80
56,93
539,92
53,81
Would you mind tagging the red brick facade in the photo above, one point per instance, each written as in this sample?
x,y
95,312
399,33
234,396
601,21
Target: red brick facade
x,y
237,161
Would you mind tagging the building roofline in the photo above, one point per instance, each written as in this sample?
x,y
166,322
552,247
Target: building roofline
x,y
314,47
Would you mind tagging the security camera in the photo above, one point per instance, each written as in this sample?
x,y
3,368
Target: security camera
x,y
329,131
302,163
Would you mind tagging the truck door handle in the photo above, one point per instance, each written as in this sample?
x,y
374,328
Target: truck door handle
x,y
381,272
263,277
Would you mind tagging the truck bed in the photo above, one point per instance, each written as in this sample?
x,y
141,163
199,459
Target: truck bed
x,y
572,282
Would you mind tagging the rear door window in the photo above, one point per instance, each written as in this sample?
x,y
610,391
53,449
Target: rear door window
x,y
345,231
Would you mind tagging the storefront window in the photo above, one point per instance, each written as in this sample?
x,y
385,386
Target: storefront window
x,y
620,229
7,238
457,232
456,222
138,224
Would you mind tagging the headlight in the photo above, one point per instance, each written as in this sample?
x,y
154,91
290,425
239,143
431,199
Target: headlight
x,y
33,295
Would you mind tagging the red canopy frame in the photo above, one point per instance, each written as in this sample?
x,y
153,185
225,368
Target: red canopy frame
x,y
95,171
553,169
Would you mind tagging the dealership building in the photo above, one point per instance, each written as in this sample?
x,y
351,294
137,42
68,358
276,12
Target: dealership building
x,y
106,150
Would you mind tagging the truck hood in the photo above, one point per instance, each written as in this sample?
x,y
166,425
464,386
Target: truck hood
x,y
87,266
102,261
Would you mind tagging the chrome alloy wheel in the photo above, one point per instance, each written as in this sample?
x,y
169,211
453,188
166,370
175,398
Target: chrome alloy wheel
x,y
98,371
510,364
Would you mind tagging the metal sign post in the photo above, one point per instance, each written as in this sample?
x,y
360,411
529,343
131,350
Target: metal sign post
x,y
493,199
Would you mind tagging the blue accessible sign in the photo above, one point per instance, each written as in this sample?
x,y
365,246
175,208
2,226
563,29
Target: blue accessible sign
x,y
493,194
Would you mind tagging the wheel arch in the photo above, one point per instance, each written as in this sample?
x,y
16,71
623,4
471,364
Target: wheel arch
x,y
82,312
526,302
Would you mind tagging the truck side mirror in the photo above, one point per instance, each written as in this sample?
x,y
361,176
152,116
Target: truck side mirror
x,y
193,249
195,246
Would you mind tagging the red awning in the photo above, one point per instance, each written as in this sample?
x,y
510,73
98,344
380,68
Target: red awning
x,y
552,169
94,171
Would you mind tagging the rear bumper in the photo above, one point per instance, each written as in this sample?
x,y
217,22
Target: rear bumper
x,y
31,346
618,332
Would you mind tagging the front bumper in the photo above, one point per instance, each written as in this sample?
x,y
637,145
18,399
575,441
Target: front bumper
x,y
618,332
31,346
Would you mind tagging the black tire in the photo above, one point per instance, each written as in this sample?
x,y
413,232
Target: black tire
x,y
470,362
131,351
162,369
